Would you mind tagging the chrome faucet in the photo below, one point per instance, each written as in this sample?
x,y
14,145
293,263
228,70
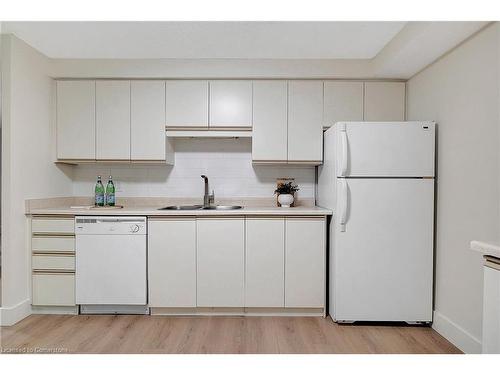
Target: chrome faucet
x,y
207,199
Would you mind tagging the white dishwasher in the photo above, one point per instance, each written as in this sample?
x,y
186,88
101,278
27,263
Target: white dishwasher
x,y
111,264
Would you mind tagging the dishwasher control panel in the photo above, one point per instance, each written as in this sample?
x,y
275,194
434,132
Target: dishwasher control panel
x,y
133,225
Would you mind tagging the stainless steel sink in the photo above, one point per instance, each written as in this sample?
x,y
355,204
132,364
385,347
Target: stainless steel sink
x,y
200,207
191,207
222,208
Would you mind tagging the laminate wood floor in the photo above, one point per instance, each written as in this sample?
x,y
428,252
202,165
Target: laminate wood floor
x,y
161,334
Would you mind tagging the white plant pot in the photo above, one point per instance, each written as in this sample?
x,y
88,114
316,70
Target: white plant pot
x,y
285,200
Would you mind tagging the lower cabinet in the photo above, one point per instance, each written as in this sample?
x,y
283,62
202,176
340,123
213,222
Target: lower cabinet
x,y
172,262
264,266
221,261
491,309
193,262
53,288
305,262
53,262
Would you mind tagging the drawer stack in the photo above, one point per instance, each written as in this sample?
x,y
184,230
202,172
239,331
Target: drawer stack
x,y
53,261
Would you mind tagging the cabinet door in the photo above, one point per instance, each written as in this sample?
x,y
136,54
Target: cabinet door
x,y
491,311
147,120
343,101
230,104
221,269
305,117
53,289
172,262
384,101
305,262
113,120
75,120
269,132
264,266
186,104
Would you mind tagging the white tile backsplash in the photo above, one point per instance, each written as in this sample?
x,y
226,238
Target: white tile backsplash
x,y
226,162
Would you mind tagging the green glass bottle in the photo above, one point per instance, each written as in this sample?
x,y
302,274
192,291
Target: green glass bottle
x,y
99,192
110,192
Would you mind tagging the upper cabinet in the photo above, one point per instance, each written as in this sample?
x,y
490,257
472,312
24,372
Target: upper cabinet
x,y
147,122
75,112
113,120
125,120
305,117
269,133
186,103
384,101
230,104
343,101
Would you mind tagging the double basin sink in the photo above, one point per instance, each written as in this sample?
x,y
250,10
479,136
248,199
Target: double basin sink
x,y
200,207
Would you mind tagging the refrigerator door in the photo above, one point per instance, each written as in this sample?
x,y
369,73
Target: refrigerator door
x,y
385,149
383,260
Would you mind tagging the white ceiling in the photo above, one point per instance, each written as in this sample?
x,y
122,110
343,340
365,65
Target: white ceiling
x,y
253,40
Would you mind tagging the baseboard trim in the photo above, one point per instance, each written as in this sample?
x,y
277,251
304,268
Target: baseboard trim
x,y
455,334
236,311
54,310
13,314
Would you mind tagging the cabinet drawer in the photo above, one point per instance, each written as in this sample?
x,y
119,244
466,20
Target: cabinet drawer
x,y
59,226
53,262
54,289
53,244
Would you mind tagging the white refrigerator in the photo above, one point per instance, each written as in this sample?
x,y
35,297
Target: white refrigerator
x,y
378,178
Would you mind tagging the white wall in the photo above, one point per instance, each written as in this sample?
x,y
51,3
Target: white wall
x,y
227,163
460,92
211,68
28,170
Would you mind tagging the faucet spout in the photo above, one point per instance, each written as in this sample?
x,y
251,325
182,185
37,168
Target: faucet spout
x,y
206,183
207,198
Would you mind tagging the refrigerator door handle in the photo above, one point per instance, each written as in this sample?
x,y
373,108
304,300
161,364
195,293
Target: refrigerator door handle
x,y
343,150
343,204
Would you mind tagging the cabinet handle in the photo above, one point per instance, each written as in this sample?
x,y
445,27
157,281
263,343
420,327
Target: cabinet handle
x,y
53,272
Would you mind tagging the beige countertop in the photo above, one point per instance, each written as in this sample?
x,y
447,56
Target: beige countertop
x,y
149,207
491,248
153,211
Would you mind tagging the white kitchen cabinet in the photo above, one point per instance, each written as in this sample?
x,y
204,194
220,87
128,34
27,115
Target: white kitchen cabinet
x,y
343,101
305,122
186,104
491,309
60,262
172,262
221,261
53,244
50,225
147,122
269,132
264,265
384,101
305,262
53,289
230,104
53,261
75,113
113,120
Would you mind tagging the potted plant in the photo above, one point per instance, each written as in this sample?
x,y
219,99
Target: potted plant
x,y
285,193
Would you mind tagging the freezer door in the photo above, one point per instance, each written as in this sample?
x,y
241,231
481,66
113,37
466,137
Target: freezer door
x,y
382,260
385,149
